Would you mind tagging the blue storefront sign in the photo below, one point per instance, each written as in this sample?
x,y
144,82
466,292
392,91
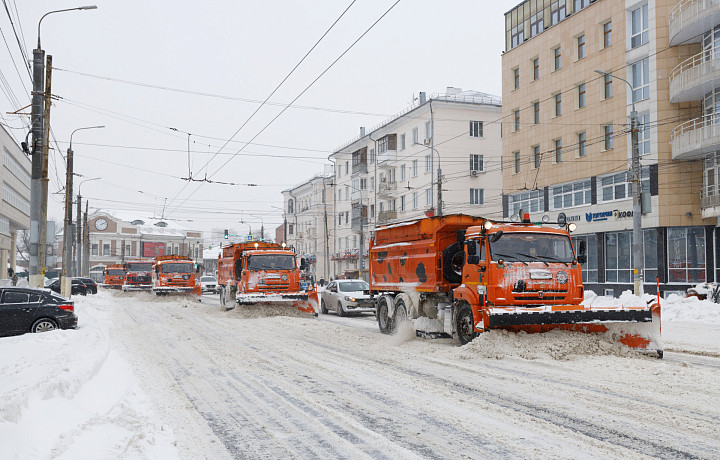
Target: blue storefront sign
x,y
597,216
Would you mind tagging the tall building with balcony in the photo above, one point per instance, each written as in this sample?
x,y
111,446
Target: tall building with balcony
x,y
440,156
572,73
307,220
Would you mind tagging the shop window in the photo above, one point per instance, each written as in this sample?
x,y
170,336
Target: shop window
x,y
686,254
590,268
619,257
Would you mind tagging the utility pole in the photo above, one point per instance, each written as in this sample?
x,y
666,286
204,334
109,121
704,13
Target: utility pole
x,y
439,186
42,241
637,245
36,118
78,242
66,283
86,244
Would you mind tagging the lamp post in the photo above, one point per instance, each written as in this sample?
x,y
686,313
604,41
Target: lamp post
x,y
262,226
38,182
79,243
637,243
439,179
66,280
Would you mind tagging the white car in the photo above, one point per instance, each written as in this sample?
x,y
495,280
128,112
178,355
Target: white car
x,y
208,284
346,296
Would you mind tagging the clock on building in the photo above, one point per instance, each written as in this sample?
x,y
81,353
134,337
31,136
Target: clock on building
x,y
101,224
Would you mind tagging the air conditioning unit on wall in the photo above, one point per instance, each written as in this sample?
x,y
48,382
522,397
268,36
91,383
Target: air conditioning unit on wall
x,y
473,172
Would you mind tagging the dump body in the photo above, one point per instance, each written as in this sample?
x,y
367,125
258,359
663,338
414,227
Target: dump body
x,y
138,276
470,275
262,273
174,274
114,276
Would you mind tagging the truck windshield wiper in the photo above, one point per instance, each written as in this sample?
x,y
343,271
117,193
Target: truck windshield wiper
x,y
509,256
553,259
531,257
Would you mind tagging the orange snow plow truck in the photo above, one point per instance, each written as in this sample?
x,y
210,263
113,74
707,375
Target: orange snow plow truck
x,y
174,274
262,273
467,275
114,276
137,275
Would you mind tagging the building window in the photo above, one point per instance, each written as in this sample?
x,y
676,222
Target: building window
x,y
558,58
339,220
608,137
536,68
614,187
476,129
533,201
428,163
569,195
619,257
516,78
558,11
580,4
641,80
414,168
536,23
516,161
347,192
644,134
517,35
607,82
347,168
639,26
558,150
291,229
516,114
582,144
590,268
106,250
476,163
477,196
402,203
607,34
372,156
558,104
94,249
414,200
536,155
536,112
402,142
428,197
428,131
402,172
581,47
415,136
581,96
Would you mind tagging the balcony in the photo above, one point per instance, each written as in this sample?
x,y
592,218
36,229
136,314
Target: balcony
x,y
387,159
689,17
387,188
359,168
695,76
358,195
710,202
693,139
386,216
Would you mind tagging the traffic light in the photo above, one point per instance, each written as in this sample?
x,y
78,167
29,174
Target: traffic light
x,y
226,234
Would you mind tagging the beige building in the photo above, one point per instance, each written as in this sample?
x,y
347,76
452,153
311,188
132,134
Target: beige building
x,y
392,172
566,144
15,206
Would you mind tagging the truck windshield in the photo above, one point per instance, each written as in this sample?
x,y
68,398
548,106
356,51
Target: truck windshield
x,y
177,268
271,262
141,267
117,272
532,247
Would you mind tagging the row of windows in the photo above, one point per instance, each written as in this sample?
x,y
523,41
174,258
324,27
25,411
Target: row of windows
x,y
15,199
15,167
130,250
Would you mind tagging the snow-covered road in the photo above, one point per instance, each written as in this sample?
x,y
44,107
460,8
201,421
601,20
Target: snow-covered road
x,y
198,382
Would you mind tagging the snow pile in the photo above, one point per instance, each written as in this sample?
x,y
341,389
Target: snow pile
x,y
552,345
268,309
70,394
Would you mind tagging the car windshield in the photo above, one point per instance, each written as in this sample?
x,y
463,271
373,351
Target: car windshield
x,y
271,262
353,286
177,267
532,247
140,267
116,272
206,279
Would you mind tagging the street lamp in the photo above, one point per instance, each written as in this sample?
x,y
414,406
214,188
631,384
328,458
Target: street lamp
x,y
637,252
439,178
262,226
65,282
38,184
78,251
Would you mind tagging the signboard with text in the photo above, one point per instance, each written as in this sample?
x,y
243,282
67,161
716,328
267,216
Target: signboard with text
x,y
153,249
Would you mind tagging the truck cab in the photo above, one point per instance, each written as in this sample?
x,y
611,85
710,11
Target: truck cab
x,y
174,274
114,276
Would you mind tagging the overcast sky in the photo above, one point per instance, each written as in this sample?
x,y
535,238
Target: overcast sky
x,y
154,71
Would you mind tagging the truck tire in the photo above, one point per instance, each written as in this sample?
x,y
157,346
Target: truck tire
x,y
385,323
401,313
222,297
453,261
465,323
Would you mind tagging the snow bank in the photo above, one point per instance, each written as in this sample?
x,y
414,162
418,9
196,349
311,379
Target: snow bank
x,y
69,394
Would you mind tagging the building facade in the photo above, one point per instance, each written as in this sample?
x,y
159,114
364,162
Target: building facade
x,y
573,71
442,155
15,206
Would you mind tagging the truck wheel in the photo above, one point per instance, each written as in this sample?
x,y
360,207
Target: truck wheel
x,y
401,314
222,297
453,261
384,322
465,324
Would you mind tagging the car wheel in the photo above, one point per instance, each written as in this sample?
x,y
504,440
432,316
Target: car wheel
x,y
340,311
465,324
43,325
323,308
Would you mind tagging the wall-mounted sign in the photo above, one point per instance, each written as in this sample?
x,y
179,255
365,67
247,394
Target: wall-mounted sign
x,y
597,216
622,214
153,249
573,218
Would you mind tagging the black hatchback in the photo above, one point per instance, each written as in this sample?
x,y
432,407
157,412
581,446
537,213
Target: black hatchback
x,y
90,284
34,310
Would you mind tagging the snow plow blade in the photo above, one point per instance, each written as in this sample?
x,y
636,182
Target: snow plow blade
x,y
305,302
635,327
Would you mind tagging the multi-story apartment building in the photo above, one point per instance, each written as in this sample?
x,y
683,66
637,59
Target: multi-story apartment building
x,y
307,221
441,155
572,73
15,206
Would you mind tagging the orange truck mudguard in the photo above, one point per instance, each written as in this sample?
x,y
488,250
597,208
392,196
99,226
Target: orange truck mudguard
x,y
262,273
467,275
114,277
173,274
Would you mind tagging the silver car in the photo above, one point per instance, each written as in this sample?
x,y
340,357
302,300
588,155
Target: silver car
x,y
345,297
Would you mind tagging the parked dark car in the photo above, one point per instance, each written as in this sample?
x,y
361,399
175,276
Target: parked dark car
x,y
34,310
90,285
78,287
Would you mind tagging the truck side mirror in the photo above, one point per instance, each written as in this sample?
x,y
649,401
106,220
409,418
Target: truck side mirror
x,y
582,256
302,264
471,248
496,236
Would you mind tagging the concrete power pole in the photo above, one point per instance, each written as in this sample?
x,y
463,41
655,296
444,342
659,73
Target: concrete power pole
x,y
66,286
86,244
78,242
637,246
37,145
42,241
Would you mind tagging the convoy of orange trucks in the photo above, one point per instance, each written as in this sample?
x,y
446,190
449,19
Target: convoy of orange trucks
x,y
114,276
138,275
465,275
173,274
262,273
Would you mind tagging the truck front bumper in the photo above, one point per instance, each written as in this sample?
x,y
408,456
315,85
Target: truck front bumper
x,y
137,287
